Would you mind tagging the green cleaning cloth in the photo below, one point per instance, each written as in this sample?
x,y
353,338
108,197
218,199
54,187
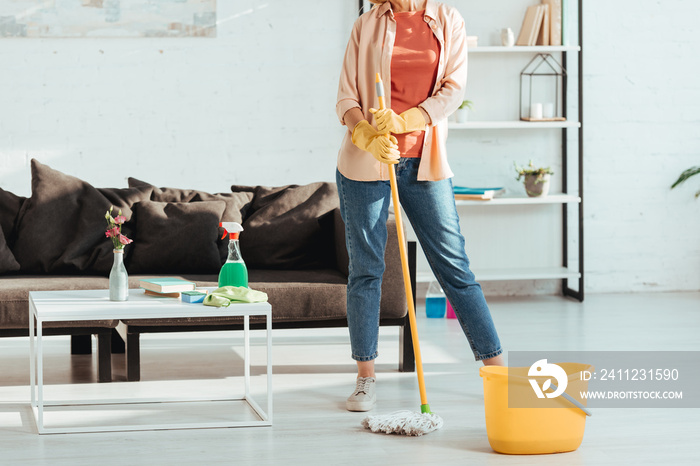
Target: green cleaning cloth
x,y
224,296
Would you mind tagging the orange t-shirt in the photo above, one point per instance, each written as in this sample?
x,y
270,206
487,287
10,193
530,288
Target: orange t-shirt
x,y
414,67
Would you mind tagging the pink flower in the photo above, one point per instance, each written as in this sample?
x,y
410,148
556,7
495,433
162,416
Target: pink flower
x,y
114,229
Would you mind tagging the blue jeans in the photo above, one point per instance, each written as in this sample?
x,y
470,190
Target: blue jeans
x,y
430,207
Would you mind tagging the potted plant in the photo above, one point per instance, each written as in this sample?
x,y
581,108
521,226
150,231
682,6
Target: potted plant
x,y
692,171
463,111
536,180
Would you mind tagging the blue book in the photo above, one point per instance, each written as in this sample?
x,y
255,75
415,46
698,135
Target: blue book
x,y
466,190
475,194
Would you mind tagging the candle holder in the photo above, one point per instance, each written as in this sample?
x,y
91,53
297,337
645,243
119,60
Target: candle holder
x,y
541,89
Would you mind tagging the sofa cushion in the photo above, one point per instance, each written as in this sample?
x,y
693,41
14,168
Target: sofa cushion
x,y
237,204
61,227
14,299
295,296
10,205
290,227
176,237
8,263
302,296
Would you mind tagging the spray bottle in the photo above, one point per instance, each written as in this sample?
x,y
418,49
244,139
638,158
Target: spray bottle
x,y
234,271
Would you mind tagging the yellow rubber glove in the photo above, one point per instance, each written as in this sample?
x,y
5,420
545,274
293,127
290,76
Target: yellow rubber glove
x,y
383,147
409,121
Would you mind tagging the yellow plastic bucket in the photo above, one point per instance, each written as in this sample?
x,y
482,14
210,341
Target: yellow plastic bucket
x,y
531,431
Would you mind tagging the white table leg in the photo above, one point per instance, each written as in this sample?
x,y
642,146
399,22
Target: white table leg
x,y
32,355
40,376
269,366
246,353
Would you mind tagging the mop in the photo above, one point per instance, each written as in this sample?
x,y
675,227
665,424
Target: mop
x,y
404,422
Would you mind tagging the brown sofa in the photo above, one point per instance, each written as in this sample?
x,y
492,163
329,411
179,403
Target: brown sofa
x,y
293,244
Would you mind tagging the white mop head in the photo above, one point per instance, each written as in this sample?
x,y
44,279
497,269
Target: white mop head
x,y
403,423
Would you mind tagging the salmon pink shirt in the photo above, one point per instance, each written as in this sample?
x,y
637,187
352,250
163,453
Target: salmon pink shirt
x,y
413,70
370,51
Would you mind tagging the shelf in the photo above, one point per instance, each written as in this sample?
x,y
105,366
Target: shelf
x,y
525,49
541,273
514,200
514,124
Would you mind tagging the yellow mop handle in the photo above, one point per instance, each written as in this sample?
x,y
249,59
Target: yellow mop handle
x,y
404,266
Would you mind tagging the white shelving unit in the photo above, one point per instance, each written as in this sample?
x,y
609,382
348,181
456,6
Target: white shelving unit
x,y
515,124
502,58
525,49
569,199
535,273
522,200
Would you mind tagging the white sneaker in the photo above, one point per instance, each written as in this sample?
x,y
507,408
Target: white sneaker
x,y
364,397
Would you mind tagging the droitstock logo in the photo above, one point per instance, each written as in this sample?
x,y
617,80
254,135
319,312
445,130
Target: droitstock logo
x,y
604,379
543,369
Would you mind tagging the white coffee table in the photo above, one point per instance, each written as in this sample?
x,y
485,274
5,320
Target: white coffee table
x,y
76,305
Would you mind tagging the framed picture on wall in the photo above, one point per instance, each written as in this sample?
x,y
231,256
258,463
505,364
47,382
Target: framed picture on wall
x,y
108,18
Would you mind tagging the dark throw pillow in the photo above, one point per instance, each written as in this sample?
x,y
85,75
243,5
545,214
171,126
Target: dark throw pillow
x,y
10,205
61,227
176,237
287,227
237,204
7,259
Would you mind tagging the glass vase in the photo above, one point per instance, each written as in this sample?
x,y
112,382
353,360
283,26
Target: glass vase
x,y
118,278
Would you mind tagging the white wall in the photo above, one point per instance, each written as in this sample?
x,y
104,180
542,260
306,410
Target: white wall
x,y
256,106
642,103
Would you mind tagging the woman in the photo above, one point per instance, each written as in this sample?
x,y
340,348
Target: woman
x,y
419,47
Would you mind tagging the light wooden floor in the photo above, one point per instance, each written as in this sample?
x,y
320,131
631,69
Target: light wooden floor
x,y
313,376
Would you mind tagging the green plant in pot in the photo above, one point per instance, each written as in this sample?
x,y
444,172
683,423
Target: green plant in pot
x,y
692,171
536,179
463,111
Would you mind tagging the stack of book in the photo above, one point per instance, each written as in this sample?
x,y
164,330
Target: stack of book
x,y
166,286
463,193
542,24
